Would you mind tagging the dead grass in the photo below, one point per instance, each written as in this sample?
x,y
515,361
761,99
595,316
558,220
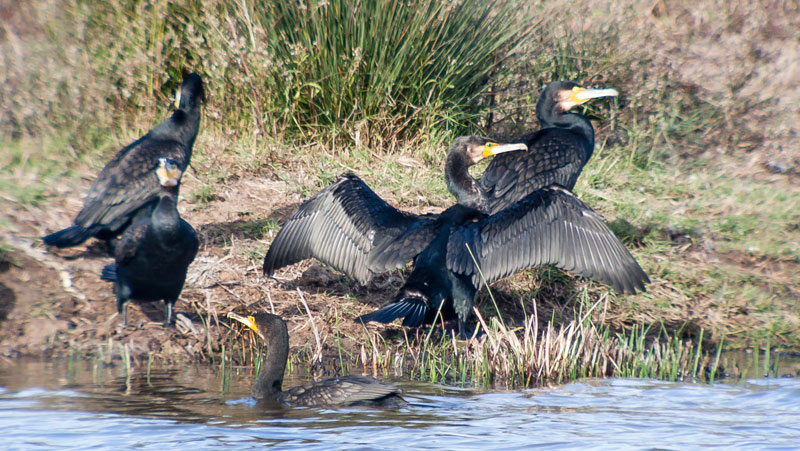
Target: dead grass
x,y
696,168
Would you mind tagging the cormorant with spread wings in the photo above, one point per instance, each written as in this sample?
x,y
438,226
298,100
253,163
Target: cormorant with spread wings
x,y
518,218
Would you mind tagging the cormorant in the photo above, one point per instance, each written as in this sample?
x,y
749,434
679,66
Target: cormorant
x,y
519,214
127,188
549,226
347,390
154,253
349,227
556,153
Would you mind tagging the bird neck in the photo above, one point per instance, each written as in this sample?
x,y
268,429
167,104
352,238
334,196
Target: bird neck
x,y
460,183
165,217
188,121
273,365
574,122
182,126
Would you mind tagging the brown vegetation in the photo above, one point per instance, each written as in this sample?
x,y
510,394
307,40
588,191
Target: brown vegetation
x,y
698,168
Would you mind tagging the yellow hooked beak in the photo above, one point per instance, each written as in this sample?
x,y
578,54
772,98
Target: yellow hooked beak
x,y
493,148
582,95
178,98
248,321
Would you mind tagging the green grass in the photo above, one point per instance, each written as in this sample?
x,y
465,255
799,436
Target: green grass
x,y
303,93
204,194
531,356
362,73
30,167
7,255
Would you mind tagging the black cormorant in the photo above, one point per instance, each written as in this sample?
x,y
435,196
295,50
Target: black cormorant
x,y
556,153
549,226
519,214
154,253
349,227
347,390
127,187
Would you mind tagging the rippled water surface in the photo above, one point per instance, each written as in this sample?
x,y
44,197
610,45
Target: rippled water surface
x,y
60,405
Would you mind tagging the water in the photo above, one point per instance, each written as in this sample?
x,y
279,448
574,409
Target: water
x,y
57,405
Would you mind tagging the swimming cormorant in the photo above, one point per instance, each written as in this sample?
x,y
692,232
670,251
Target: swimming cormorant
x,y
127,188
347,390
153,254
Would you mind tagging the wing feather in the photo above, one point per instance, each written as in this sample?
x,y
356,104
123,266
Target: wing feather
x,y
550,226
338,391
554,156
129,182
350,228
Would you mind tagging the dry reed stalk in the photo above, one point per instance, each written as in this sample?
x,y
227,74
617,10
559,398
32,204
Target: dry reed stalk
x,y
318,351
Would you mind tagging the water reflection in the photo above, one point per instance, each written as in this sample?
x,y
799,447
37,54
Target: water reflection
x,y
55,404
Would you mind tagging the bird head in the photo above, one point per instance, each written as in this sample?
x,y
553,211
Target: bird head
x,y
265,325
168,172
569,94
190,92
477,148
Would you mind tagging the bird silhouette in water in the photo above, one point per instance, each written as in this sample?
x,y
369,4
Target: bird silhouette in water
x,y
152,256
338,391
127,188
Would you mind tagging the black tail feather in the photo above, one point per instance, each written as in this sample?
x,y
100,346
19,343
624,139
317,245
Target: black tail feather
x,y
109,273
413,309
416,317
71,236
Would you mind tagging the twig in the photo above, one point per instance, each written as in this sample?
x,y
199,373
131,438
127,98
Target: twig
x,y
271,305
318,353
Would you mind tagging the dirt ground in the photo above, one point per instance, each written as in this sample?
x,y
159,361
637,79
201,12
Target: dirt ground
x,y
52,302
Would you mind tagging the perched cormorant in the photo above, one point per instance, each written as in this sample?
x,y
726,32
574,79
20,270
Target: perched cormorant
x,y
347,390
519,214
127,188
349,227
556,153
549,226
154,253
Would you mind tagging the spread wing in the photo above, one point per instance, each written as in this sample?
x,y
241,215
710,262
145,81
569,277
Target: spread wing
x,y
554,156
550,226
350,228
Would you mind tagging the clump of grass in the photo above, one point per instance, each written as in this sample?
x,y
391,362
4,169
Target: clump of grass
x,y
259,228
408,66
7,255
532,355
355,70
204,194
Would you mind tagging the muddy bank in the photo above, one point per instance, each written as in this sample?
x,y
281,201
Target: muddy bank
x,y
52,302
